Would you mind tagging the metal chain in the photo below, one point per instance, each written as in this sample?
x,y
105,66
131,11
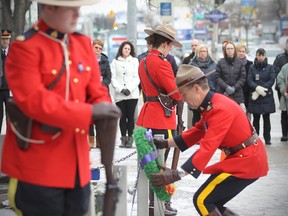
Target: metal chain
x,y
120,160
134,190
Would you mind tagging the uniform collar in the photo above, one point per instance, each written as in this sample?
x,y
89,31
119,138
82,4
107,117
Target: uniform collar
x,y
157,53
206,103
42,26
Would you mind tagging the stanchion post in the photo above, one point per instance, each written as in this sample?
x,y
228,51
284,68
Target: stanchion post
x,y
142,200
120,173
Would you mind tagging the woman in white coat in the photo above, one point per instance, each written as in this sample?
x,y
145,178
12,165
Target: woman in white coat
x,y
125,81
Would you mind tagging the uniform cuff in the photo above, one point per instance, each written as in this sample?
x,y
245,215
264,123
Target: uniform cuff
x,y
180,142
190,168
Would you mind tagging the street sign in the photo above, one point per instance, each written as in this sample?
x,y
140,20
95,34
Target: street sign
x,y
215,16
166,9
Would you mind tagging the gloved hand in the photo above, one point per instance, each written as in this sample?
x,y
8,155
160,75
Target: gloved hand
x,y
261,90
161,179
105,110
126,92
230,90
255,95
161,143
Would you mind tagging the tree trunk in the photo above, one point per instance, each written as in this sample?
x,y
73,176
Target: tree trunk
x,y
14,15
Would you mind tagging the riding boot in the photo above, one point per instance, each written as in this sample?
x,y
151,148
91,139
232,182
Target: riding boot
x,y
215,212
91,141
97,142
229,212
151,202
169,207
124,140
284,125
129,142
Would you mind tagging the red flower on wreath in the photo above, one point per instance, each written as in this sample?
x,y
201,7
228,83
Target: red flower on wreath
x,y
170,189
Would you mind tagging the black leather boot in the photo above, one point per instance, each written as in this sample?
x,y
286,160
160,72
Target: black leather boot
x,y
284,126
169,207
229,212
215,212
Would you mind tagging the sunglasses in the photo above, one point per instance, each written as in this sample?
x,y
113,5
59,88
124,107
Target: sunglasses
x,y
98,47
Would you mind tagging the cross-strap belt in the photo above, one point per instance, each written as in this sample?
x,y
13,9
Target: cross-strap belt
x,y
152,99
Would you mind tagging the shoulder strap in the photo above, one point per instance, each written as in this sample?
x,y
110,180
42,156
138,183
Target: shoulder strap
x,y
149,77
56,80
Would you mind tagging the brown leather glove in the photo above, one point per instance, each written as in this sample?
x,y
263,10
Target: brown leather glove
x,y
161,179
161,143
105,110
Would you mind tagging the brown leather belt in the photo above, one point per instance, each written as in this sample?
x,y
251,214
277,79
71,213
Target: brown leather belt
x,y
152,99
232,150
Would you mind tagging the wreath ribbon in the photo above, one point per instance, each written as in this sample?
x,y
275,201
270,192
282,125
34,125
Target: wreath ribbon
x,y
148,158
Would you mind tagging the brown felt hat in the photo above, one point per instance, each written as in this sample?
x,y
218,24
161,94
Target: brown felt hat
x,y
166,31
188,74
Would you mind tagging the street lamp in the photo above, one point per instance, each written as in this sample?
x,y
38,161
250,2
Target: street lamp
x,y
246,23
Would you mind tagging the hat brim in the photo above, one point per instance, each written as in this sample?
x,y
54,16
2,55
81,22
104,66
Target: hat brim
x,y
65,3
5,37
174,42
187,82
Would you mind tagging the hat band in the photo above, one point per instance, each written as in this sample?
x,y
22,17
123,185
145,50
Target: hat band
x,y
191,79
165,34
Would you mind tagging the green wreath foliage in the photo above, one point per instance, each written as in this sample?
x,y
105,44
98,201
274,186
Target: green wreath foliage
x,y
145,147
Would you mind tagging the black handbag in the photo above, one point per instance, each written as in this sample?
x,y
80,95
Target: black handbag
x,y
166,101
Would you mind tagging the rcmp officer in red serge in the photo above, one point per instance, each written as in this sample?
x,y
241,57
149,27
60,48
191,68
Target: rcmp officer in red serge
x,y
152,114
4,90
223,125
50,176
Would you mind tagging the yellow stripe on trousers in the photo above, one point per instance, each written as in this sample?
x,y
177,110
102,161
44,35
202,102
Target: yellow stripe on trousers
x,y
169,133
169,136
209,188
13,183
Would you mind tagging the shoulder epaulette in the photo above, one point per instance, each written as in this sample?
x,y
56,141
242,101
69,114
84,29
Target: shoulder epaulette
x,y
28,34
162,57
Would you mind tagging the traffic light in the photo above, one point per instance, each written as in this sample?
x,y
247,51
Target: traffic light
x,y
219,2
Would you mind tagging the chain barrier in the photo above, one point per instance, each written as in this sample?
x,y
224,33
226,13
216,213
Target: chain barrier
x,y
120,160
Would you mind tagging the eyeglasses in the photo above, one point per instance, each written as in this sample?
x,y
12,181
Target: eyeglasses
x,y
98,47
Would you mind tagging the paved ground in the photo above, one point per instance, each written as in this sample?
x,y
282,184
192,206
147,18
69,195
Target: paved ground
x,y
266,197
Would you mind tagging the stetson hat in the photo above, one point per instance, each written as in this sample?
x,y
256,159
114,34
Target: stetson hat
x,y
166,31
5,34
188,74
66,3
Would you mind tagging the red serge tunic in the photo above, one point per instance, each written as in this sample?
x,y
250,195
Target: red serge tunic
x,y
32,64
152,113
223,124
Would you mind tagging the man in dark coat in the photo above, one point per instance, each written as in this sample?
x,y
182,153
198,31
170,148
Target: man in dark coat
x,y
4,90
194,45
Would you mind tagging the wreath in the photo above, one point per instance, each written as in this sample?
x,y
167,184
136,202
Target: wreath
x,y
149,161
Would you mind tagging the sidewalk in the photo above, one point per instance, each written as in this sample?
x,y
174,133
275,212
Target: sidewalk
x,y
266,197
